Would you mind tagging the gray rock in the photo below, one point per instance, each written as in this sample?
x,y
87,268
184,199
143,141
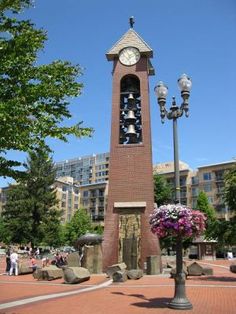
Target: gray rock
x,y
153,265
114,268
48,273
120,276
92,258
73,260
75,275
134,274
24,267
194,269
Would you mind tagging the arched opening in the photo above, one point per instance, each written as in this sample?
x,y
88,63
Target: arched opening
x,y
130,111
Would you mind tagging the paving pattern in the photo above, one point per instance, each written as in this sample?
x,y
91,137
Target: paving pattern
x,y
208,294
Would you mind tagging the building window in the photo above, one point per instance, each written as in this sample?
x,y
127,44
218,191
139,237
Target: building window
x,y
85,194
194,191
207,187
210,200
207,176
194,180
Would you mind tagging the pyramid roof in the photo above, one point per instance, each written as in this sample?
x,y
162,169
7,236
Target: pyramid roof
x,y
130,39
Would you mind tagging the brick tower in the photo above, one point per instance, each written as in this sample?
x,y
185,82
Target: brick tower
x,y
127,236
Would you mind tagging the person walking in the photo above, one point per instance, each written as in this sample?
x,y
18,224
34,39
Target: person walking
x,y
14,263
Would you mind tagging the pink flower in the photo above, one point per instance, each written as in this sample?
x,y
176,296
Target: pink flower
x,y
173,220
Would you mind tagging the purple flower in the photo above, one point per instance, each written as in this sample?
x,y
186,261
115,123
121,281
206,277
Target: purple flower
x,y
173,220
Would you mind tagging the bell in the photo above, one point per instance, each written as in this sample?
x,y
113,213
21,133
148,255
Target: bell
x,y
130,116
131,101
131,130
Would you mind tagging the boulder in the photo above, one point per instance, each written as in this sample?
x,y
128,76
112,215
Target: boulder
x,y
114,268
24,267
194,269
73,259
232,268
73,275
120,276
134,274
153,265
48,273
92,258
207,271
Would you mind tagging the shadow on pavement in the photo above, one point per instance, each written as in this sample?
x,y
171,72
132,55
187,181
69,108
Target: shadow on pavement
x,y
154,303
149,303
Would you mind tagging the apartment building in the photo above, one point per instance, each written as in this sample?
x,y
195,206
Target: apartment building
x,y
166,169
93,198
68,197
83,182
210,179
85,170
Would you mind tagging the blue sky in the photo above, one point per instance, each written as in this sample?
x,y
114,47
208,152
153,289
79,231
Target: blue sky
x,y
187,36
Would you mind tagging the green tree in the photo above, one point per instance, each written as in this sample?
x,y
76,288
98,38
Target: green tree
x,y
222,230
230,189
34,98
80,224
162,190
17,217
31,213
204,206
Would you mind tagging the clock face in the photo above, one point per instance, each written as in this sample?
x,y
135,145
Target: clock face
x,y
129,56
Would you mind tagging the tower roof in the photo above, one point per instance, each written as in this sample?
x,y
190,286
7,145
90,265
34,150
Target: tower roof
x,y
129,39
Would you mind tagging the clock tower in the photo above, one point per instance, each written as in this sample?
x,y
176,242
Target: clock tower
x,y
127,235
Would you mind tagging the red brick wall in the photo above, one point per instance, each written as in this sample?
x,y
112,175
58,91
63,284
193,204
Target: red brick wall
x,y
130,169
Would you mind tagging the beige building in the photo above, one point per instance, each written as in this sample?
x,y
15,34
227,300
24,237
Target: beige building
x,y
68,196
208,178
93,198
166,169
91,191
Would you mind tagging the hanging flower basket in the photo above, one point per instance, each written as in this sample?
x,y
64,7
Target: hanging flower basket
x,y
177,220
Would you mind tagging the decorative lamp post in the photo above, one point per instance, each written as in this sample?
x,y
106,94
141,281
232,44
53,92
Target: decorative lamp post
x,y
180,300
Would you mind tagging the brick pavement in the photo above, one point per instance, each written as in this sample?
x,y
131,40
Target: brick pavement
x,y
213,294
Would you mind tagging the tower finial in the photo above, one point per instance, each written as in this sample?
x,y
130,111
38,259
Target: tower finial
x,y
131,21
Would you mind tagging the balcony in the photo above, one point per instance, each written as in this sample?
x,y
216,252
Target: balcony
x,y
99,217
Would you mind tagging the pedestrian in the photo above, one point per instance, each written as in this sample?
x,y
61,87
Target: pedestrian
x,y
33,263
8,261
14,263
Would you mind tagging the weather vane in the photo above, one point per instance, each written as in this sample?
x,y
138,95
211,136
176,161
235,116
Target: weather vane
x,y
131,21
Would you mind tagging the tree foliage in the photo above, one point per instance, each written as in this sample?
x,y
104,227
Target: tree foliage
x,y
31,213
162,190
230,188
204,206
17,216
80,224
34,98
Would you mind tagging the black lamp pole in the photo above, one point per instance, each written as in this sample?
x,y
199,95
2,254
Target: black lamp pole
x,y
180,300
